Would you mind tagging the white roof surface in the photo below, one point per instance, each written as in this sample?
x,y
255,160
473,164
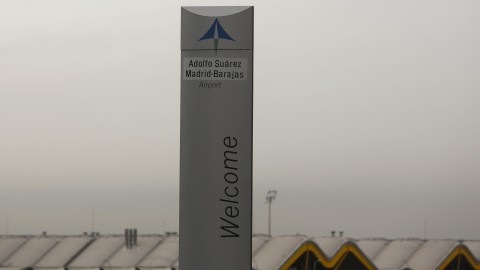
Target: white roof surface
x,y
330,245
258,241
129,258
474,247
396,253
33,250
276,251
98,252
8,246
431,254
12,268
165,254
371,247
63,252
156,252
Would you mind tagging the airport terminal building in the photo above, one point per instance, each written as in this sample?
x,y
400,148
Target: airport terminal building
x,y
297,252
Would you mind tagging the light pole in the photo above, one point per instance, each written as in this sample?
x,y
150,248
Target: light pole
x,y
271,195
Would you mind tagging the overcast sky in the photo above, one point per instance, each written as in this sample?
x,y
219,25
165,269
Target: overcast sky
x,y
366,116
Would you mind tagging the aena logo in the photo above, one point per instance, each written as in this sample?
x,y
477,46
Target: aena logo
x,y
216,32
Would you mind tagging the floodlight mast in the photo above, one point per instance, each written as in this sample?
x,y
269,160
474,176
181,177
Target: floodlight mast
x,y
271,195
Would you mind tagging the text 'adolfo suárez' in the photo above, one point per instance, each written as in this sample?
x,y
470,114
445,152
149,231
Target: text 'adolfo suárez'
x,y
206,68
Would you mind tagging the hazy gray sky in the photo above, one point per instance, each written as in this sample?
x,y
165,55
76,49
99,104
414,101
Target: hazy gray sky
x,y
366,116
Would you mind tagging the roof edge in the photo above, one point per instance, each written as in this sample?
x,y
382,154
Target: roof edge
x,y
327,262
457,251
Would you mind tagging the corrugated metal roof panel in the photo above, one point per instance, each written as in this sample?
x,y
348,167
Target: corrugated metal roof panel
x,y
330,245
128,258
274,252
48,268
175,264
430,254
258,241
371,247
396,253
87,268
164,255
8,246
98,252
474,247
32,251
155,268
12,268
52,252
120,268
63,252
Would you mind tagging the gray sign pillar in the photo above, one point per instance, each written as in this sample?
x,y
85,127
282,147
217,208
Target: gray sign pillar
x,y
216,138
